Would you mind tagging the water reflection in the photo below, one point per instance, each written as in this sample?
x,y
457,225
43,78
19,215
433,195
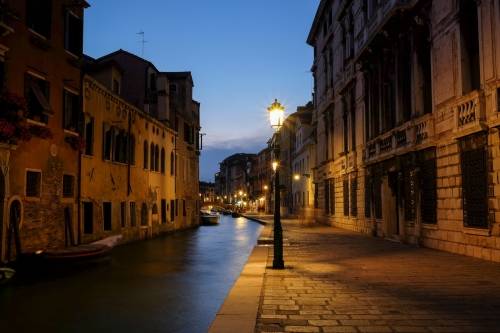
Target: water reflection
x,y
171,284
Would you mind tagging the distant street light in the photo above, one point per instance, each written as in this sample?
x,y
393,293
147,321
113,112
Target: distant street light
x,y
276,118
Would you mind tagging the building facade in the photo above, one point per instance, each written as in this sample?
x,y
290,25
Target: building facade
x,y
168,98
303,160
127,180
40,74
234,179
405,111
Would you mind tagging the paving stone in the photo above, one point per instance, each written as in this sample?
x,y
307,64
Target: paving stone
x,y
366,284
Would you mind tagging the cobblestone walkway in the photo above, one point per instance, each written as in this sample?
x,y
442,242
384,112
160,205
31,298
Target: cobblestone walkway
x,y
339,281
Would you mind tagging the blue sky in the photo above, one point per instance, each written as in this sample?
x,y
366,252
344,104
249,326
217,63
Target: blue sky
x,y
242,55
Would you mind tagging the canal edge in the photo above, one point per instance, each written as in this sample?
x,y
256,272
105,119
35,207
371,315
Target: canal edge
x,y
239,311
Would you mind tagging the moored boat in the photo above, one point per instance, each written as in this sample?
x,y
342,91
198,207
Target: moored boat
x,y
208,218
6,274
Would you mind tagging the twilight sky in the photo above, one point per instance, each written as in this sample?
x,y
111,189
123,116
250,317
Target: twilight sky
x,y
242,55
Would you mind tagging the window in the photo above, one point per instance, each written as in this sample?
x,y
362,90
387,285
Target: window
x,y
37,93
73,34
152,157
131,149
469,45
154,209
172,163
39,16
172,211
173,88
123,214
163,160
346,196
89,135
474,164
157,158
116,86
368,196
176,207
107,216
428,191
146,158
71,111
331,186
107,142
354,197
133,215
183,207
163,211
144,214
33,183
68,186
88,217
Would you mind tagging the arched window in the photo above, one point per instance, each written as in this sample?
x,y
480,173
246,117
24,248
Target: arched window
x,y
172,163
152,157
146,154
157,158
118,145
107,142
163,161
144,214
154,210
132,150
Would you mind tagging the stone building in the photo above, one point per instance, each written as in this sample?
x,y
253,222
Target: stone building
x,y
235,177
406,103
264,182
303,160
127,178
167,97
40,73
207,193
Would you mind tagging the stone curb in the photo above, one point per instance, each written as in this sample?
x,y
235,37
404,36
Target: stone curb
x,y
239,311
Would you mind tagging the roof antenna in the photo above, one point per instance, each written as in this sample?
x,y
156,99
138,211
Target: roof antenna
x,y
142,41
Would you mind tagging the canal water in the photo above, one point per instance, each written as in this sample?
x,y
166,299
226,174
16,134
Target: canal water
x,y
174,283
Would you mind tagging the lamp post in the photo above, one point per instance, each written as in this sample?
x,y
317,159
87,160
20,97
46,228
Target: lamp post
x,y
276,118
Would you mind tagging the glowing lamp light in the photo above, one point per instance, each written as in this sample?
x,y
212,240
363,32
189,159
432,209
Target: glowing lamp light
x,y
266,187
296,176
240,193
276,115
275,165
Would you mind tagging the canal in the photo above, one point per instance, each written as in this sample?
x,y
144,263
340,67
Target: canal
x,y
174,283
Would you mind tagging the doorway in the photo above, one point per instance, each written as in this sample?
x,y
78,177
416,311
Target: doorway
x,y
390,205
14,248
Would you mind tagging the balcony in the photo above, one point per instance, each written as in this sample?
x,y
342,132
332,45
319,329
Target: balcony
x,y
375,23
414,134
469,114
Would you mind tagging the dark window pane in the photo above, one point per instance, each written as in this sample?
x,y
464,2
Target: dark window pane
x,y
33,183
68,186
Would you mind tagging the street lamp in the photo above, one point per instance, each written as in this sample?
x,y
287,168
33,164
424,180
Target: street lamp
x,y
276,118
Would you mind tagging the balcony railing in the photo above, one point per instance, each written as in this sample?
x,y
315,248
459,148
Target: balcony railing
x,y
411,134
469,113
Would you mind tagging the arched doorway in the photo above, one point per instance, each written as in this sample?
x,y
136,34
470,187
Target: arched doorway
x,y
13,237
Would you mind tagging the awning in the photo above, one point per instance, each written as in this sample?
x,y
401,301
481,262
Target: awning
x,y
40,97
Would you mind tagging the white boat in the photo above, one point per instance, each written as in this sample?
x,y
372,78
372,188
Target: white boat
x,y
208,218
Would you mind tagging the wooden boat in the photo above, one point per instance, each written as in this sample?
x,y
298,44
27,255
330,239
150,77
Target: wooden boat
x,y
6,274
208,218
95,251
235,214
